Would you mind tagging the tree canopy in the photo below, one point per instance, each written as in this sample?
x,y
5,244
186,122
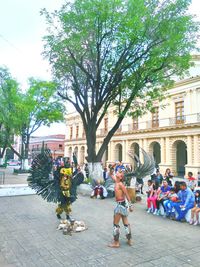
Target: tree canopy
x,y
115,52
10,99
22,113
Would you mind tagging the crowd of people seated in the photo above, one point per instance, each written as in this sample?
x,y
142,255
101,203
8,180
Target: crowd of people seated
x,y
101,190
175,201
164,196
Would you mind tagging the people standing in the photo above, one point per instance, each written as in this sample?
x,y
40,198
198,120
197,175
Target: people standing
x,y
86,169
158,178
168,176
198,178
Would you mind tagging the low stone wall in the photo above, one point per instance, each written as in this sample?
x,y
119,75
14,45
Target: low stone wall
x,y
15,190
84,189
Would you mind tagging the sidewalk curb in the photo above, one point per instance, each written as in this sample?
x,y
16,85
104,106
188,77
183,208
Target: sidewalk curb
x,y
15,190
84,189
8,190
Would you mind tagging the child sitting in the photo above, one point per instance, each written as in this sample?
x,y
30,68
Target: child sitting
x,y
151,197
171,198
196,209
99,191
191,181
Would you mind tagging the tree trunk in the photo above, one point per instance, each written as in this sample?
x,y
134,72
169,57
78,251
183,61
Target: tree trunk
x,y
95,171
1,161
26,150
15,152
91,144
25,165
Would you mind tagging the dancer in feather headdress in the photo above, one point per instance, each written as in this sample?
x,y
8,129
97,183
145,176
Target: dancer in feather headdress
x,y
58,186
123,203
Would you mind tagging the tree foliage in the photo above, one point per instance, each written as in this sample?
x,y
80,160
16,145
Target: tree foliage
x,y
39,106
10,98
22,113
117,52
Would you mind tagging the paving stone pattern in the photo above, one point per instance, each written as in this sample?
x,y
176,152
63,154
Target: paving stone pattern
x,y
28,237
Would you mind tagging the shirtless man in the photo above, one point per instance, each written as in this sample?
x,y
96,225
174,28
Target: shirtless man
x,y
121,210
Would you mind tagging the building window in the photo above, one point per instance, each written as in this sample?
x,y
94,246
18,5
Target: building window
x,y
71,132
155,117
46,146
77,131
179,109
60,146
105,125
135,124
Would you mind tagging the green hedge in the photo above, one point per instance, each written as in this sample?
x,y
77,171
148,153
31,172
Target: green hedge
x,y
19,171
3,165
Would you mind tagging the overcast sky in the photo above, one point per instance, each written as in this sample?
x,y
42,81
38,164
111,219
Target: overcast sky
x,y
21,32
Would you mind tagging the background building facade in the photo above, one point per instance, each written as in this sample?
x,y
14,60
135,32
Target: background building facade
x,y
53,142
171,134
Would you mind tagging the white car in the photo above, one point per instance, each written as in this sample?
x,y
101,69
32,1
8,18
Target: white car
x,y
13,162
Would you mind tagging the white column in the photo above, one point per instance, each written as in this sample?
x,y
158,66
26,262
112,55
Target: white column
x,y
140,153
162,150
141,143
189,150
124,151
196,147
145,147
111,158
167,151
109,151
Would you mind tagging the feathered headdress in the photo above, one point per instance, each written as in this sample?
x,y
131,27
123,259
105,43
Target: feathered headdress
x,y
141,170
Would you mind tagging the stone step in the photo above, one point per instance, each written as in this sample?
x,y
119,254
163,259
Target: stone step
x,y
15,190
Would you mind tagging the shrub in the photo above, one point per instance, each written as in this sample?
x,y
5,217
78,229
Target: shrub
x,y
20,171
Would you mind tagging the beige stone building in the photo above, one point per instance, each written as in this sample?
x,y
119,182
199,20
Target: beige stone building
x,y
171,134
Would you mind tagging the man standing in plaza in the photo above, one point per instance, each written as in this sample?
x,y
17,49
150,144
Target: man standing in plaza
x,y
186,201
121,210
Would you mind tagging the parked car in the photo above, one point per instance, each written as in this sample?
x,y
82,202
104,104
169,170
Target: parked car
x,y
13,162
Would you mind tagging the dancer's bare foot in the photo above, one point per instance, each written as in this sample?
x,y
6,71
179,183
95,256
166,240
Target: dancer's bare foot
x,y
129,242
114,245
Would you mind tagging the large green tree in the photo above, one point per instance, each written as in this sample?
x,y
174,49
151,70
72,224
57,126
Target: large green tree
x,y
9,99
39,106
23,113
115,52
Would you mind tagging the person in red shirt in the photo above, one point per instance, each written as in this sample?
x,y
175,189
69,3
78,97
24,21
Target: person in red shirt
x,y
191,181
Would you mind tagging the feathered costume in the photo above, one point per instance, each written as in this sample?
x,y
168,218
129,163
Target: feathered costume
x,y
140,172
56,186
123,199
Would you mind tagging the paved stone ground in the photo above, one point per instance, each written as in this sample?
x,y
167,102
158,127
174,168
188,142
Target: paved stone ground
x,y
11,178
28,237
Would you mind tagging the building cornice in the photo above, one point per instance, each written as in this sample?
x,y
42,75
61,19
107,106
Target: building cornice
x,y
186,81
